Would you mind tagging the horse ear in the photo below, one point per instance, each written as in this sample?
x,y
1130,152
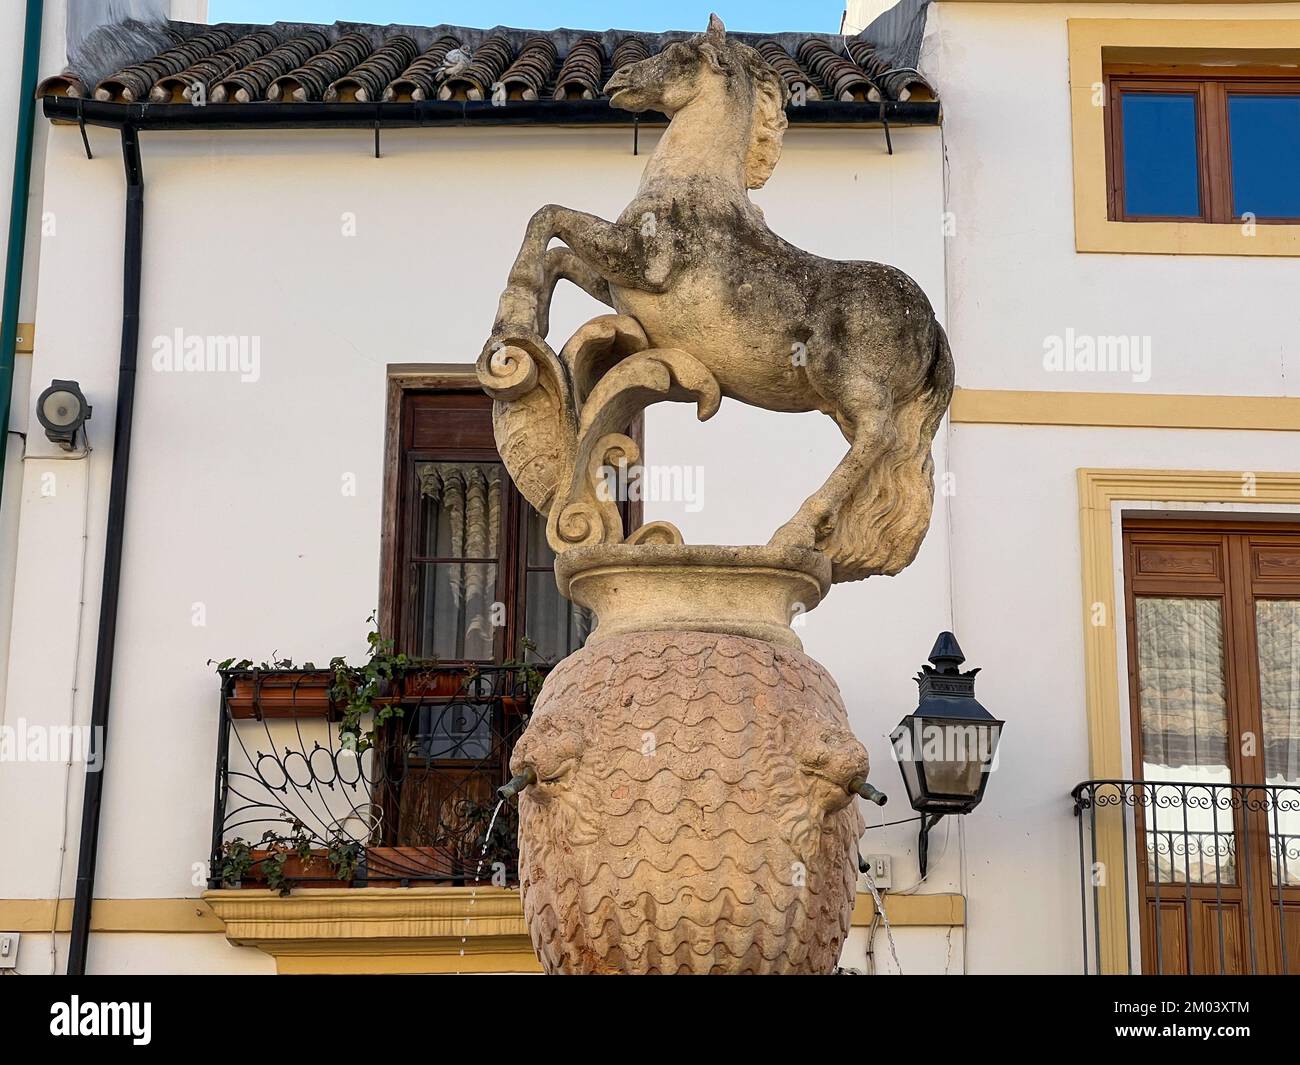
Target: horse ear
x,y
717,32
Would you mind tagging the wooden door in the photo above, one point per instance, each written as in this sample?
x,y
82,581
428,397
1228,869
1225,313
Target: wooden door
x,y
1213,624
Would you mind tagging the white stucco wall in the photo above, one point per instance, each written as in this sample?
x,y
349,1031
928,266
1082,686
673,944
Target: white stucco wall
x,y
1217,325
62,23
14,20
235,498
235,494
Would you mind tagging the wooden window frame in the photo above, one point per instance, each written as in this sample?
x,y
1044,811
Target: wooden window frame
x,y
1211,87
395,607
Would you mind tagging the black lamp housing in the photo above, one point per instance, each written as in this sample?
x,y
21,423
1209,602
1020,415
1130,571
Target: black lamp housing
x,y
62,410
946,748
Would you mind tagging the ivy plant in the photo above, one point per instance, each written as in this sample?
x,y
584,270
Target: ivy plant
x,y
355,689
344,856
236,860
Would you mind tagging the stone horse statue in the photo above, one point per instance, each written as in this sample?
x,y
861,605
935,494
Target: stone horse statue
x,y
693,262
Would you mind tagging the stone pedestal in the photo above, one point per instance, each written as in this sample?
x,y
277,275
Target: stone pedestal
x,y
691,810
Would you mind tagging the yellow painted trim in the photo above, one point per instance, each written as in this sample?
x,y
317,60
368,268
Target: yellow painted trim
x,y
943,911
112,915
419,923
1099,489
517,960
377,930
1124,410
1092,41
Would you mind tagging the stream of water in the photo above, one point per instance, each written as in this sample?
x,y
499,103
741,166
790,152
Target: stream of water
x,y
478,871
884,919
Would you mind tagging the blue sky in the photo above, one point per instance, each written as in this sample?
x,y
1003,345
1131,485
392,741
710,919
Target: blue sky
x,y
756,15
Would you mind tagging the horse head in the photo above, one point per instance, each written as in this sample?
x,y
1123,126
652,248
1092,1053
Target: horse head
x,y
724,76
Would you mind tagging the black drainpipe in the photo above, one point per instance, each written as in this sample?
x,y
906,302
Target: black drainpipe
x,y
94,791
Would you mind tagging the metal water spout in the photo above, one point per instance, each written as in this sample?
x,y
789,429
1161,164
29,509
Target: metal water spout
x,y
871,794
517,783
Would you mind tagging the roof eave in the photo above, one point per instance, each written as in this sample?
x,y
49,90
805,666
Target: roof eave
x,y
418,113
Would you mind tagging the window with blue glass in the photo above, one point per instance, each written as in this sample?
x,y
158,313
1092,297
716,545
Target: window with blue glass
x,y
1190,148
1264,142
1162,173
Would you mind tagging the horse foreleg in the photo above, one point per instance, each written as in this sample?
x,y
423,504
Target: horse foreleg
x,y
614,253
562,264
873,435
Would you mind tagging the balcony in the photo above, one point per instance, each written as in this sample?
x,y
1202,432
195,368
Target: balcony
x,y
339,849
1185,876
307,798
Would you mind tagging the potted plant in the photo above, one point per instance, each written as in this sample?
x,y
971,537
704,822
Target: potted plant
x,y
282,862
343,693
277,689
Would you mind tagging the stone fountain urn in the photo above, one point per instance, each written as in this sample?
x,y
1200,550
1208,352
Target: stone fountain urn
x,y
688,781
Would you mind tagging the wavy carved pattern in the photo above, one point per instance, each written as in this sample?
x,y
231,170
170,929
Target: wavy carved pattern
x,y
691,812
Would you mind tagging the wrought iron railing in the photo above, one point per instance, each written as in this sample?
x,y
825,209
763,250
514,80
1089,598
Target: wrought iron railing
x,y
1186,876
306,797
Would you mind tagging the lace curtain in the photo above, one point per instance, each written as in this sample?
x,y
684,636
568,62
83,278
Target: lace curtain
x,y
1181,687
462,519
1277,628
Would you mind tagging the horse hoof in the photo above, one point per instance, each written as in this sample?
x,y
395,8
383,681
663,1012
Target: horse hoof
x,y
517,311
794,534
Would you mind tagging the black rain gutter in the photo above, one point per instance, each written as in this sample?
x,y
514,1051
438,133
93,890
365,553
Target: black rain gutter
x,y
94,791
418,113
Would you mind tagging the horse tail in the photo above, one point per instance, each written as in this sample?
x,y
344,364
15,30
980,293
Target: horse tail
x,y
881,526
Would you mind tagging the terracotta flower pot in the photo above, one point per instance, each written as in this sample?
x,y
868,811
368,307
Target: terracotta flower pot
x,y
315,871
432,683
281,693
389,866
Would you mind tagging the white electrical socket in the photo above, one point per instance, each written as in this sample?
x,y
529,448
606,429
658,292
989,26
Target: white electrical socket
x,y
881,867
8,950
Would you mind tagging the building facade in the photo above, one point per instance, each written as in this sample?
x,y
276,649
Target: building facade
x,y
1098,201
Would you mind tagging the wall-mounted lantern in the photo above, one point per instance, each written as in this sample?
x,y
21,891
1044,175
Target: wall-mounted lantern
x,y
62,410
948,746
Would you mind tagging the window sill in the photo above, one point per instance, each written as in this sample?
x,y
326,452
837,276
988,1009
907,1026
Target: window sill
x,y
1182,238
381,930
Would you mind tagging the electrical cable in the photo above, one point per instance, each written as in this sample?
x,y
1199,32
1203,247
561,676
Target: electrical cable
x,y
80,456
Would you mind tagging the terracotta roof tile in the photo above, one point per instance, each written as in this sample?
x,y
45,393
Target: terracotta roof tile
x,y
791,72
368,80
135,82
309,81
629,50
250,82
840,77
896,83
580,76
529,74
420,80
208,71
357,63
473,80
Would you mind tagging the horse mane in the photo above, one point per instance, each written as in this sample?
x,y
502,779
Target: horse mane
x,y
769,123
